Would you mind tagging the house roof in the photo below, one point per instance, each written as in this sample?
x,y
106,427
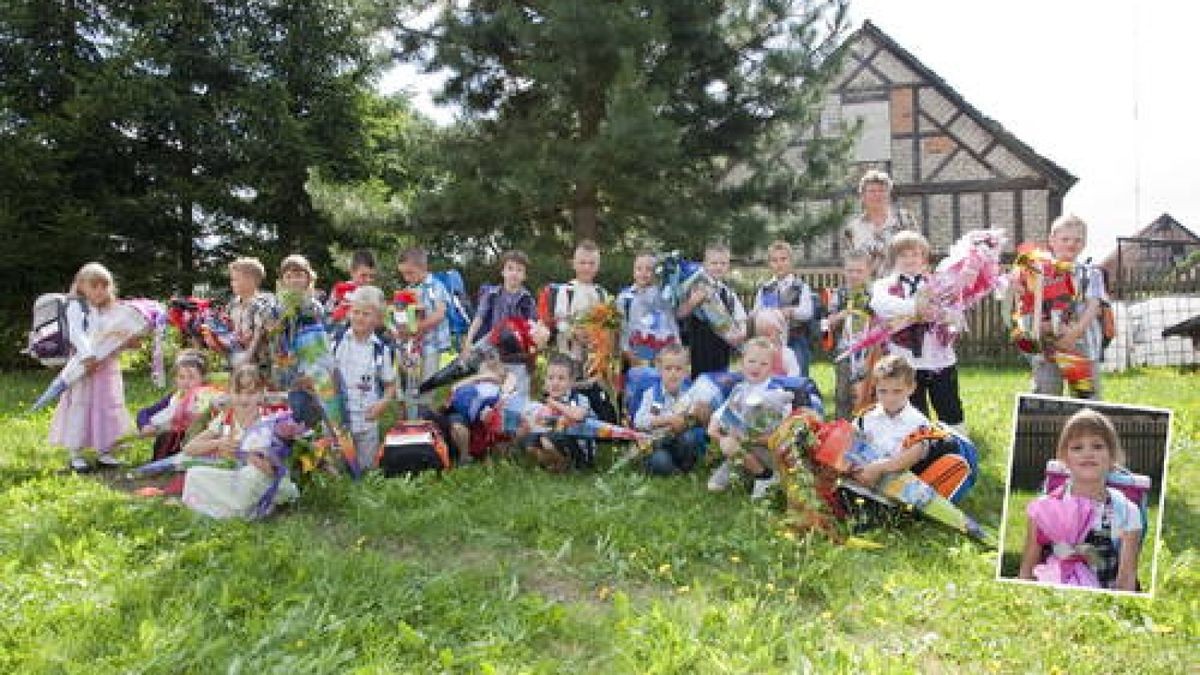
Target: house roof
x,y
1157,228
1059,177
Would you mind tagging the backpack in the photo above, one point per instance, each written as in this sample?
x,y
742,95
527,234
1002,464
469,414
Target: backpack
x,y
412,447
459,311
547,300
50,335
639,381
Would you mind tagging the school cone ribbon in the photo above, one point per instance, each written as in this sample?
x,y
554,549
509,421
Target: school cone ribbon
x,y
129,320
844,451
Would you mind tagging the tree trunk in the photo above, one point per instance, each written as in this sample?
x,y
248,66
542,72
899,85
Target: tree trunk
x,y
584,203
584,215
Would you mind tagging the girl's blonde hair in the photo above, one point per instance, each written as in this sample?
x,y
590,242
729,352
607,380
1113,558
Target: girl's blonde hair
x,y
1090,422
245,378
251,267
92,272
368,296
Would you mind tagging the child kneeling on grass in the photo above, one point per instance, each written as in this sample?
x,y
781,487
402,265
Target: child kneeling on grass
x,y
469,402
1106,556
666,411
554,452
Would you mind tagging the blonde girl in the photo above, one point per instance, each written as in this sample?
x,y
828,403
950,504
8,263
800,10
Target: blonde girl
x,y
1089,447
91,412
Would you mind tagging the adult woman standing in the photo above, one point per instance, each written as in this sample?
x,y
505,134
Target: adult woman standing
x,y
871,231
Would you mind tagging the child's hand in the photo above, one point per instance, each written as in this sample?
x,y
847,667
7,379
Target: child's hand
x,y
698,295
730,446
259,462
134,342
90,364
737,336
376,410
148,430
869,475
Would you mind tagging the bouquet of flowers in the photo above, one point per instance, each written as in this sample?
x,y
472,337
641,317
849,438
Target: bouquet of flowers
x,y
600,324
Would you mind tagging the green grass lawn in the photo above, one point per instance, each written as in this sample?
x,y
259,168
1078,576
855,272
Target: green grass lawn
x,y
507,569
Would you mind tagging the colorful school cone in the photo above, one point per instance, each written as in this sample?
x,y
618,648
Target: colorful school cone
x,y
905,487
1078,371
124,323
177,462
791,442
679,277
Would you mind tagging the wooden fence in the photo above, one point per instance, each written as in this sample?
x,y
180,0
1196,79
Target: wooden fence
x,y
1143,436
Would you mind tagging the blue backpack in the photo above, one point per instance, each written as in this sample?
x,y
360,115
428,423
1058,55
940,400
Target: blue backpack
x,y
459,311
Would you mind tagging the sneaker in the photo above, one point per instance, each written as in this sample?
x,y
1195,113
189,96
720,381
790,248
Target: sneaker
x,y
79,465
762,486
106,461
719,481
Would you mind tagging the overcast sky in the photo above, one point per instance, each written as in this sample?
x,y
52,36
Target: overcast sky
x,y
1101,88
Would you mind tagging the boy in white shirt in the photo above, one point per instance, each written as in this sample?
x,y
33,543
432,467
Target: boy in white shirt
x,y
368,367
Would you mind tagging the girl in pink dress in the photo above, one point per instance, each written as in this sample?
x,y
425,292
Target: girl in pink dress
x,y
91,412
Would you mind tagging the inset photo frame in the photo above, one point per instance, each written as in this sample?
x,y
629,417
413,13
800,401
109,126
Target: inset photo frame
x,y
1078,512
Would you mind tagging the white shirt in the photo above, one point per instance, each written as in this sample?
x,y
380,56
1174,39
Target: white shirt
x,y
935,352
886,432
356,360
667,406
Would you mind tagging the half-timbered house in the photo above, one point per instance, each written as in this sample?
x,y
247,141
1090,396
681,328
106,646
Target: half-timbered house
x,y
954,168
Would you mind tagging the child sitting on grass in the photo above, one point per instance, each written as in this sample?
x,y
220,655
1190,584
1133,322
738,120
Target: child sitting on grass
x,y
170,419
665,410
757,358
469,401
234,493
558,453
1089,446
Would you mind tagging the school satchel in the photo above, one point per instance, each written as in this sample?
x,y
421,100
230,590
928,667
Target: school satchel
x,y
411,447
50,335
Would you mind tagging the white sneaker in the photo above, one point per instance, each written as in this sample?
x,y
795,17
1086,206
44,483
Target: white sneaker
x,y
80,465
719,480
762,486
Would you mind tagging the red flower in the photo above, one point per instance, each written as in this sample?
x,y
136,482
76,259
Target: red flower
x,y
405,297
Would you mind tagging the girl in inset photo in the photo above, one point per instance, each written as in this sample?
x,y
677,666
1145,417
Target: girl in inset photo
x,y
1085,532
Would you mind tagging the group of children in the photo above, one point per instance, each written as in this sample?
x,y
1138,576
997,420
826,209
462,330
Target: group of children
x,y
378,340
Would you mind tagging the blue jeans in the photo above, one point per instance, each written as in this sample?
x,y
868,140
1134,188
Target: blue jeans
x,y
677,454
